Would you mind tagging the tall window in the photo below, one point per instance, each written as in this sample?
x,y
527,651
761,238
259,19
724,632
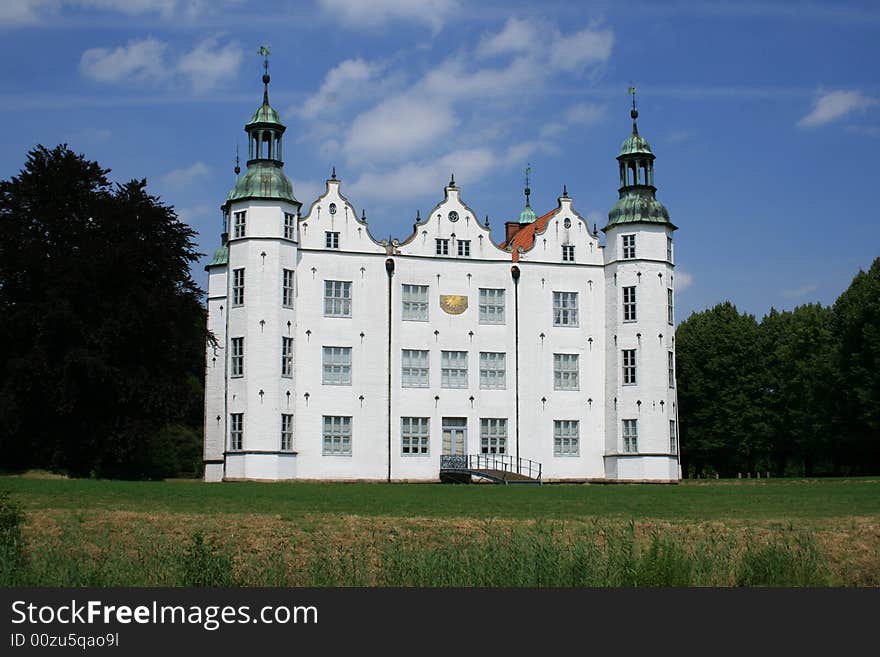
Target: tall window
x,y
673,438
630,436
565,372
453,369
414,368
337,366
286,432
669,315
337,435
331,240
492,370
493,435
287,288
287,357
567,253
239,226
415,435
491,305
629,367
236,431
629,246
565,309
337,298
289,224
670,362
415,302
464,248
236,357
238,287
669,249
442,247
566,437
629,304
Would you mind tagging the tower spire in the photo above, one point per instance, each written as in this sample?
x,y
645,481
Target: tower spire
x,y
528,189
237,162
264,52
634,113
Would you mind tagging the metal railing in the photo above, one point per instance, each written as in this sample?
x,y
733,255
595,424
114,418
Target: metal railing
x,y
500,462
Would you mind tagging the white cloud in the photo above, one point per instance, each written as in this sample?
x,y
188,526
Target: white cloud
x,y
683,281
833,105
29,12
374,13
341,84
179,178
799,292
581,49
306,191
188,214
415,179
582,114
139,60
517,36
397,127
147,60
207,63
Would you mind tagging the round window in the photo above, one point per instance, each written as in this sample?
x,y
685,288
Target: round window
x,y
332,208
567,222
453,216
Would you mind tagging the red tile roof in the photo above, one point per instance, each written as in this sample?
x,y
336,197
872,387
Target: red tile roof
x,y
525,237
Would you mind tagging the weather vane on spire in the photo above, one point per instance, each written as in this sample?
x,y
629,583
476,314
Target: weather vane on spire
x,y
264,52
528,189
634,113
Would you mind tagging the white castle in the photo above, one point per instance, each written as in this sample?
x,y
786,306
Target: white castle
x,y
550,356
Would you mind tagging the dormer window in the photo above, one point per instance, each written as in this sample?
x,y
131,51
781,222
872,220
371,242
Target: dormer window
x,y
442,247
464,248
239,224
331,240
567,253
629,247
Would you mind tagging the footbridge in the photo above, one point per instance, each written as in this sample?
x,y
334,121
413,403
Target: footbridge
x,y
497,468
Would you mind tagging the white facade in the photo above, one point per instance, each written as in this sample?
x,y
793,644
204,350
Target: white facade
x,y
562,397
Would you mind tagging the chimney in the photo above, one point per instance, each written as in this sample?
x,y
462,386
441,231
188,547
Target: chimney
x,y
511,228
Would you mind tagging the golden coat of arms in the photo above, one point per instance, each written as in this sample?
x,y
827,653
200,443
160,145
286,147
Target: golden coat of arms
x,y
454,304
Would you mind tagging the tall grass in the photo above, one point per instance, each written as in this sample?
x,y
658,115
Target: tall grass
x,y
543,554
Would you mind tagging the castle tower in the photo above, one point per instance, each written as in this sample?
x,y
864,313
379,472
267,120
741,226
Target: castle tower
x,y
249,391
641,421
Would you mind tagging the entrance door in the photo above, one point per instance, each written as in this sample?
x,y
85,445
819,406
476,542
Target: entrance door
x,y
454,436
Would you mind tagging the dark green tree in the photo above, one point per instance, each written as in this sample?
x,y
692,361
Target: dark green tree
x,y
719,392
857,328
102,324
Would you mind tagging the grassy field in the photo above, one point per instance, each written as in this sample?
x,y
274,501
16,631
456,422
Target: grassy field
x,y
787,532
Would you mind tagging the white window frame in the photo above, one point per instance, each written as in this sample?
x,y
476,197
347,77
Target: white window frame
x,y
441,246
493,370
238,286
287,357
289,225
670,364
491,305
673,437
464,248
566,438
631,436
454,369
337,298
415,436
670,310
287,432
336,366
566,369
331,239
414,302
336,435
236,432
630,372
567,253
628,250
236,357
415,368
669,249
239,224
629,303
493,435
287,288
565,309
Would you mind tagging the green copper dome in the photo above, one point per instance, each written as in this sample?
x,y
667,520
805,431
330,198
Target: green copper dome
x,y
221,256
527,216
265,114
638,207
635,143
263,179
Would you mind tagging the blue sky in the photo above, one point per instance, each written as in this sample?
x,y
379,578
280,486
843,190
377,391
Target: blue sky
x,y
764,116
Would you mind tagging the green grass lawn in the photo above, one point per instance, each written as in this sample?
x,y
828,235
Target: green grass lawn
x,y
691,501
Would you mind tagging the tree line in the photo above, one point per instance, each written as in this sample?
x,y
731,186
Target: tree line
x,y
797,393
